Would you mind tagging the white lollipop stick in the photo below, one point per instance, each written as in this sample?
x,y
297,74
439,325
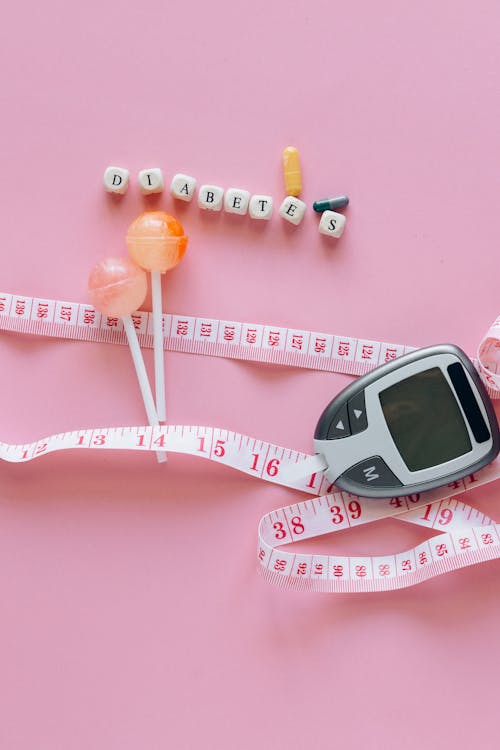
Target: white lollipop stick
x,y
159,355
142,377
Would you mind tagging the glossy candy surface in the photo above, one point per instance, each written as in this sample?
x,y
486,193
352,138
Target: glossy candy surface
x,y
117,287
156,241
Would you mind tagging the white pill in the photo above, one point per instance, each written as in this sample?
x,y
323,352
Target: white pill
x,y
210,197
116,179
183,187
261,206
236,201
331,223
292,209
151,180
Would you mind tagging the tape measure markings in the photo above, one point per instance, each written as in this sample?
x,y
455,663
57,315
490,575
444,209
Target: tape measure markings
x,y
204,336
472,536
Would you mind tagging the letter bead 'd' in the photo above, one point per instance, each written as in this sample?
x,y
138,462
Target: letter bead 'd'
x,y
292,209
116,180
210,197
151,180
183,187
261,206
332,224
236,201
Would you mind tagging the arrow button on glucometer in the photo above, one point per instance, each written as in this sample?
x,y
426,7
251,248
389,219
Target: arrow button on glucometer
x,y
339,426
357,413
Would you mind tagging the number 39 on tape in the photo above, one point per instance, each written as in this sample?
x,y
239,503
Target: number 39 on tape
x,y
466,536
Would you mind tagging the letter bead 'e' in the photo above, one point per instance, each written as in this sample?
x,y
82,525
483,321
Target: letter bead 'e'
x,y
292,209
236,201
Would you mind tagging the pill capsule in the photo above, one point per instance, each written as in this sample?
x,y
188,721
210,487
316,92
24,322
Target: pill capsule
x,y
291,171
331,204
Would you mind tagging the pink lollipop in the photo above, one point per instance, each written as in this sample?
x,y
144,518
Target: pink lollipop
x,y
117,287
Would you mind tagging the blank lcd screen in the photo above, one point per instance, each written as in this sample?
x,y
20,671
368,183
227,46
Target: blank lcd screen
x,y
424,420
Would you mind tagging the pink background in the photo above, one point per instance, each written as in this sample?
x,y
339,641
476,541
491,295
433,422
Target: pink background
x,y
131,613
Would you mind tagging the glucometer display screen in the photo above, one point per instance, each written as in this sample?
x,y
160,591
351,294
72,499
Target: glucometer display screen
x,y
424,420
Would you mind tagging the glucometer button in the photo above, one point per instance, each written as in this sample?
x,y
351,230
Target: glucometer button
x,y
372,472
339,426
357,413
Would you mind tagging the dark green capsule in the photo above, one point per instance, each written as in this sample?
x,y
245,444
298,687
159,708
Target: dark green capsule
x,y
331,204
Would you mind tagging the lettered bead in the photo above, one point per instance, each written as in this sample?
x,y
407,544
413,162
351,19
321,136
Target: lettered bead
x,y
236,201
292,209
210,197
332,224
116,179
151,180
183,187
261,206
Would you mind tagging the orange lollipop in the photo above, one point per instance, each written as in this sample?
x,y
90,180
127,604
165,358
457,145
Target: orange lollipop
x,y
156,242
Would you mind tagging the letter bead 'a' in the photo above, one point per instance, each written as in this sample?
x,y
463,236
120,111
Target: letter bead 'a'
x,y
182,187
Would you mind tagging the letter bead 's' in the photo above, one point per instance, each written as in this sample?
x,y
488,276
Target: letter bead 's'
x,y
332,224
116,180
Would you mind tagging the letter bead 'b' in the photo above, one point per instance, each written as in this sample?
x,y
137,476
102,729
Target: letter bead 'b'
x,y
210,197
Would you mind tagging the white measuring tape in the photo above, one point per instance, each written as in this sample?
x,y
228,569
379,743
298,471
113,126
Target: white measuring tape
x,y
467,536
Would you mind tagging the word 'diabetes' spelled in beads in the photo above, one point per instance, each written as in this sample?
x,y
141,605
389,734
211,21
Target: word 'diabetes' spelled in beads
x,y
237,200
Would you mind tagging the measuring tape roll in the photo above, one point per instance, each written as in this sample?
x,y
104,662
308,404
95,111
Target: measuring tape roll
x,y
470,537
467,536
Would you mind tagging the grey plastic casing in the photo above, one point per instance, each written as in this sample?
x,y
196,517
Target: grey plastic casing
x,y
343,453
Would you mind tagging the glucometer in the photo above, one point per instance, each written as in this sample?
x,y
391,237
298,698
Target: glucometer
x,y
418,422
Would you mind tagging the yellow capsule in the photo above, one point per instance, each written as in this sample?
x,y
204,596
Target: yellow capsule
x,y
291,171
